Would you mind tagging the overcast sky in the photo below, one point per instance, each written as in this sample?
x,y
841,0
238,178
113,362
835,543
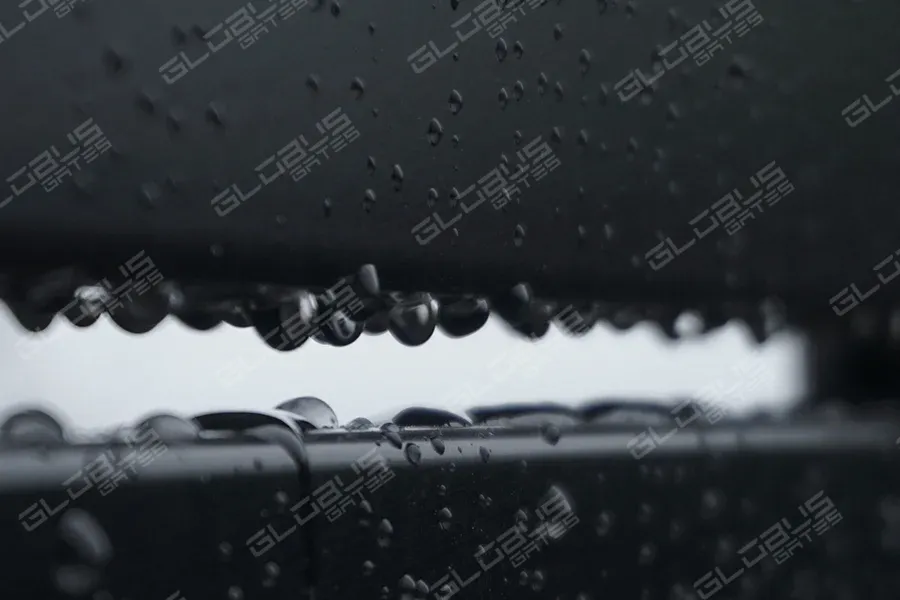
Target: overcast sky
x,y
102,377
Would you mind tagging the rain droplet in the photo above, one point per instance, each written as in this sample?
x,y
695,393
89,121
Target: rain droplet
x,y
551,433
312,82
358,86
438,445
583,137
584,59
484,453
519,235
501,50
368,568
604,523
370,165
518,90
326,206
518,49
369,200
456,102
558,90
435,132
432,197
413,454
503,97
556,134
542,84
557,31
397,177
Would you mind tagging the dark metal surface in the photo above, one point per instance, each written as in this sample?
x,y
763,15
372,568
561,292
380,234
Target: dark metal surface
x,y
630,173
612,509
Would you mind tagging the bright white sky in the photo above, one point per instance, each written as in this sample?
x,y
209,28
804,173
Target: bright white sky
x,y
102,377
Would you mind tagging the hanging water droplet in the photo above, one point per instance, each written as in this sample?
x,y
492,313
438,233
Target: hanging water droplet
x,y
438,445
551,433
484,453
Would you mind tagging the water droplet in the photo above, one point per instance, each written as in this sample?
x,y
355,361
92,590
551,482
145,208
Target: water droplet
x,y
432,197
114,61
335,8
517,137
518,49
397,177
558,90
647,554
604,523
215,113
556,134
272,569
456,102
369,200
558,31
368,568
235,593
484,453
503,97
312,82
519,235
413,454
86,537
358,86
435,132
550,433
371,28
542,84
455,141
438,445
225,550
518,90
583,137
712,504
538,579
370,165
392,434
326,207
584,59
501,50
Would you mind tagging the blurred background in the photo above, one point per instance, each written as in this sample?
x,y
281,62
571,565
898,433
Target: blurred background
x,y
101,377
